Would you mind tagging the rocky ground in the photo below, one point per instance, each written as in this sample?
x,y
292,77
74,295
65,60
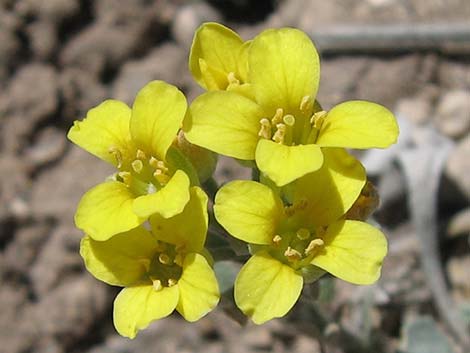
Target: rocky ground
x,y
59,58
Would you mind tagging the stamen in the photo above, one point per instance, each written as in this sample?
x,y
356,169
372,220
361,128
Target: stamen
x,y
137,165
265,130
141,155
178,260
157,285
277,118
292,254
314,245
277,239
317,119
151,189
153,162
303,234
126,177
117,154
232,80
172,282
280,133
161,165
306,104
161,178
289,120
164,259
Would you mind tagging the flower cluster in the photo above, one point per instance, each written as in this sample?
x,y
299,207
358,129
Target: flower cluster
x,y
146,226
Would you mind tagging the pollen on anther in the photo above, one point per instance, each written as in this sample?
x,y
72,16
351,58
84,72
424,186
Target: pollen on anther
x,y
277,239
172,282
280,133
140,155
232,80
126,177
265,130
292,254
117,154
306,103
137,165
157,285
314,245
277,118
153,162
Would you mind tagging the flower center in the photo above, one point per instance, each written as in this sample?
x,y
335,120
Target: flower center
x,y
146,175
165,269
297,249
291,130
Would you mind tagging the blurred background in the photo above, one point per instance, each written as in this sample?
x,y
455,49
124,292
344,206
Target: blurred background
x,y
59,58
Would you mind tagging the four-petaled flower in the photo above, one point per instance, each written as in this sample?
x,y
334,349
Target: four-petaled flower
x,y
162,270
283,127
293,242
153,175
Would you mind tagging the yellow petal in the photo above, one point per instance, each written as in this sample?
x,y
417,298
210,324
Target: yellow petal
x,y
283,164
249,211
353,251
168,201
199,291
331,190
283,68
358,124
157,115
187,228
105,129
121,260
266,288
106,210
136,307
224,122
218,46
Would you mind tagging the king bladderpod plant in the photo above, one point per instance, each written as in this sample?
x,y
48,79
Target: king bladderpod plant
x,y
297,242
162,270
154,177
282,127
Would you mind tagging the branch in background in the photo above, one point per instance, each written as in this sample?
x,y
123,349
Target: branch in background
x,y
453,39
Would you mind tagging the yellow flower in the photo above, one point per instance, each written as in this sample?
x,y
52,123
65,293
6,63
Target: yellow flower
x,y
152,178
283,128
291,243
218,58
161,270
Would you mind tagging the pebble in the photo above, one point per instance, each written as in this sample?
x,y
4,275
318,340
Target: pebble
x,y
453,113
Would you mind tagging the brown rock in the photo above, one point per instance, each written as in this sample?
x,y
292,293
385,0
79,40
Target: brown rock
x,y
453,113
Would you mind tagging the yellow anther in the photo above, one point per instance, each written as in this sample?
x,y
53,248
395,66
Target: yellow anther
x,y
289,120
137,165
303,234
265,130
145,263
277,239
153,162
292,254
280,133
232,79
306,104
117,154
317,119
164,259
157,285
161,165
172,282
161,177
277,118
126,177
314,245
141,155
